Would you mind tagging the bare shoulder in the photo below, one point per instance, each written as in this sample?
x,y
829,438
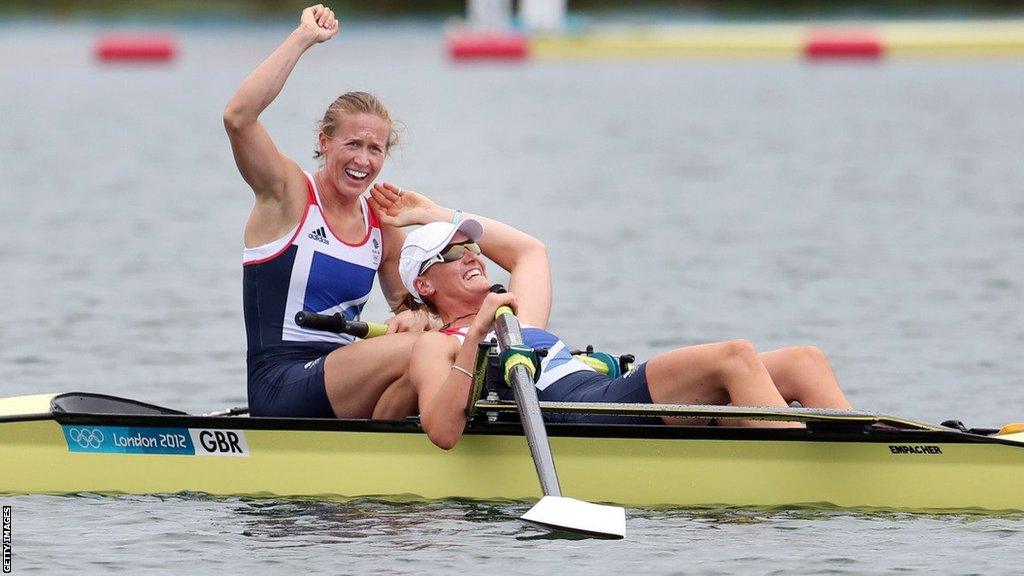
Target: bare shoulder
x,y
289,187
435,344
296,185
276,212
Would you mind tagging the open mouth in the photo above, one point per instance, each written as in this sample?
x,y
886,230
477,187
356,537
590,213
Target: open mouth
x,y
472,273
356,174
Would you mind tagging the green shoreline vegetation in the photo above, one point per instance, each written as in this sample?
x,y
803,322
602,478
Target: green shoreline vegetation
x,y
412,8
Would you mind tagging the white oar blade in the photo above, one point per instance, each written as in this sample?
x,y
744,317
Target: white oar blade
x,y
578,516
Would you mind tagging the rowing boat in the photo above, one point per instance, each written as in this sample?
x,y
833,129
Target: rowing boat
x,y
82,442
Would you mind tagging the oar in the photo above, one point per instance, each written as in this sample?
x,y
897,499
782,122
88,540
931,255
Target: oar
x,y
339,325
553,510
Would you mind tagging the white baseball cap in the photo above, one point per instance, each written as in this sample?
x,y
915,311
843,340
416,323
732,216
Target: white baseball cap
x,y
428,241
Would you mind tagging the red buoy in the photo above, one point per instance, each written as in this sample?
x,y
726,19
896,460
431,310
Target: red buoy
x,y
843,46
487,46
136,48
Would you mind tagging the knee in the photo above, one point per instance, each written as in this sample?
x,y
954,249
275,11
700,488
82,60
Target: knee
x,y
741,350
738,356
810,356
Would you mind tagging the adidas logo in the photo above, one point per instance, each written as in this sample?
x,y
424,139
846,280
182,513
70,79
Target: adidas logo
x,y
320,235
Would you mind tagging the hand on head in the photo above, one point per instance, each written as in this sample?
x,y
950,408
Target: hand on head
x,y
319,22
398,207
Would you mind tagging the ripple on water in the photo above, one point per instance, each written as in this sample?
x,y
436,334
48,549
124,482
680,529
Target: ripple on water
x,y
169,532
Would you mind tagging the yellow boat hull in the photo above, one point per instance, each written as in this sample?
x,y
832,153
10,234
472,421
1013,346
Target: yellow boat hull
x,y
926,471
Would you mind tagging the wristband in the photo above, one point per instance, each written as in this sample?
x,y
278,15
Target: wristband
x,y
457,217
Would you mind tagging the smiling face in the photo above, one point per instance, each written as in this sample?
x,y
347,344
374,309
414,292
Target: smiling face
x,y
451,286
354,154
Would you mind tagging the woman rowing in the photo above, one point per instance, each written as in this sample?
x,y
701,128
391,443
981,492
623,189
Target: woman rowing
x,y
441,265
313,243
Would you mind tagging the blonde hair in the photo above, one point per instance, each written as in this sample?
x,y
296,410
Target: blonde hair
x,y
355,103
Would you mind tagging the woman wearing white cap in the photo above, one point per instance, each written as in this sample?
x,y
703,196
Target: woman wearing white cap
x,y
441,265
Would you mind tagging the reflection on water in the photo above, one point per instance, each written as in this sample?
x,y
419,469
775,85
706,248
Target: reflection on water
x,y
315,521
243,535
759,515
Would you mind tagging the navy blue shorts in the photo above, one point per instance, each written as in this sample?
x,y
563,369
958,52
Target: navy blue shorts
x,y
631,387
290,387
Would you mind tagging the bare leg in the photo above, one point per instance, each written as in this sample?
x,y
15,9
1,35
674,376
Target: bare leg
x,y
398,401
804,374
360,377
722,373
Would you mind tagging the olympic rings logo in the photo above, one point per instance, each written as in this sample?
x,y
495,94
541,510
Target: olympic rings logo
x,y
87,437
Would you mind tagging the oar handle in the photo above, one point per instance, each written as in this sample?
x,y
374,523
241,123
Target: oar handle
x,y
502,310
338,324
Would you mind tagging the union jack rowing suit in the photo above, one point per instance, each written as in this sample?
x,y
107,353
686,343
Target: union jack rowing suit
x,y
309,269
565,378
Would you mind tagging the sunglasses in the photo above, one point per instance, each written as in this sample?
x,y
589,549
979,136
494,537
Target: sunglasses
x,y
452,253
